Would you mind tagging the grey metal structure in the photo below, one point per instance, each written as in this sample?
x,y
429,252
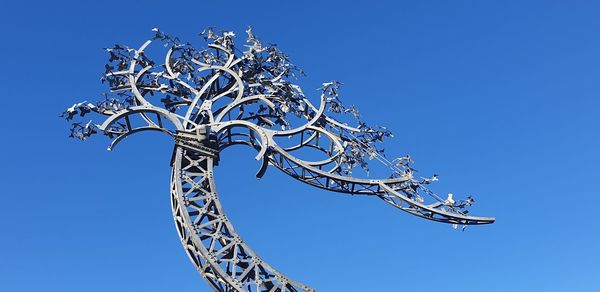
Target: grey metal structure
x,y
221,96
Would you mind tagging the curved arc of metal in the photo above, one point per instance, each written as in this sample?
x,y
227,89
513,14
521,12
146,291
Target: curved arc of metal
x,y
265,137
250,141
174,76
242,101
428,211
302,143
332,120
132,76
384,187
142,109
225,68
213,245
348,179
230,55
268,142
332,157
120,138
137,77
194,105
318,114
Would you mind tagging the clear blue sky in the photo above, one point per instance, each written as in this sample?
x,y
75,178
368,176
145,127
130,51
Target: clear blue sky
x,y
500,98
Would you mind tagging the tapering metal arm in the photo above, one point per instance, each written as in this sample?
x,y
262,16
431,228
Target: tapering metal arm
x,y
390,190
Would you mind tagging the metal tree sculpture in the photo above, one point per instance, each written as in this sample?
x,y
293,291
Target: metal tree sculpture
x,y
220,96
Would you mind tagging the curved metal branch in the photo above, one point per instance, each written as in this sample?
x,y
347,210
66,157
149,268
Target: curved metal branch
x,y
390,190
129,129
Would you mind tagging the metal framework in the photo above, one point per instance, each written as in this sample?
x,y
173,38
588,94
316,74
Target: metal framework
x,y
221,96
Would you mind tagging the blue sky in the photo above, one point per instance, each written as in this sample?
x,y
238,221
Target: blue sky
x,y
501,99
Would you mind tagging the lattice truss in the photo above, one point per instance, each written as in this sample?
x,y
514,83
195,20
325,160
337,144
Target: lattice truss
x,y
222,95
